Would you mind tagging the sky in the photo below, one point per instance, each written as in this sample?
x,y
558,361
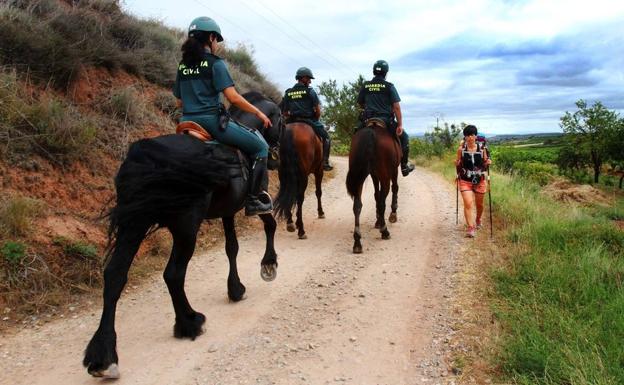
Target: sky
x,y
507,66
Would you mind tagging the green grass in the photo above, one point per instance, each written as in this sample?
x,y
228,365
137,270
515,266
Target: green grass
x,y
559,294
560,299
13,252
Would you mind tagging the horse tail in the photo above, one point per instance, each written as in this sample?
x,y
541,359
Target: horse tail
x,y
290,175
161,177
361,159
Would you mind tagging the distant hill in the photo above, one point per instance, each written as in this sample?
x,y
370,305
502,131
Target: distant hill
x,y
523,137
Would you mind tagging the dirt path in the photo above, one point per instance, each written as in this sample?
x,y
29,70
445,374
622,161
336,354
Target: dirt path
x,y
329,317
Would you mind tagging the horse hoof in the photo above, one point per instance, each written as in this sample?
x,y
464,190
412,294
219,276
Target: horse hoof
x,y
385,236
321,215
112,372
230,300
392,218
303,236
268,272
290,227
357,249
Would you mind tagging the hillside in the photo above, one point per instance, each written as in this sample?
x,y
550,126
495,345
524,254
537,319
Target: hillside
x,y
79,81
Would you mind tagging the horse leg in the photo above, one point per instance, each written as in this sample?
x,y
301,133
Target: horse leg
x,y
357,235
379,219
188,322
236,290
383,194
101,354
394,205
290,226
299,223
268,266
318,178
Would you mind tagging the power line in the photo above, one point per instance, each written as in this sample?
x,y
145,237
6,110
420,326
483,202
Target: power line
x,y
306,37
295,61
293,38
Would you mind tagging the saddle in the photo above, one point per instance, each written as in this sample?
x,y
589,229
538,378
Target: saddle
x,y
194,129
375,122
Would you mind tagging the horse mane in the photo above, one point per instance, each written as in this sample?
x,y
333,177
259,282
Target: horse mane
x,y
252,97
166,175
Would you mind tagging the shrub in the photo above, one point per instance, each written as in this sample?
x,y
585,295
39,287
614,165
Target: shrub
x,y
241,57
17,213
35,48
76,249
81,250
48,126
13,252
541,173
126,104
422,150
165,101
60,129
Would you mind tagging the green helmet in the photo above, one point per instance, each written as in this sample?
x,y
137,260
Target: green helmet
x,y
304,71
380,67
205,24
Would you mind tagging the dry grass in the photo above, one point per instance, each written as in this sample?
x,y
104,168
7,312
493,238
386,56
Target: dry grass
x,y
476,327
568,192
17,214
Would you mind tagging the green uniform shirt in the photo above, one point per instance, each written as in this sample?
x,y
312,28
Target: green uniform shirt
x,y
377,96
200,87
300,101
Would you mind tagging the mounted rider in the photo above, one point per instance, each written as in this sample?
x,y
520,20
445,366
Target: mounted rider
x,y
379,99
301,104
202,78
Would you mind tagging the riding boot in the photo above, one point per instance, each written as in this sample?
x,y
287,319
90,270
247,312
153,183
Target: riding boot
x,y
258,201
406,166
326,147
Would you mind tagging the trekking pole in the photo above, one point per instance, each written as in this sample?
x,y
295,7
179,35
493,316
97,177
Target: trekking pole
x,y
457,199
490,200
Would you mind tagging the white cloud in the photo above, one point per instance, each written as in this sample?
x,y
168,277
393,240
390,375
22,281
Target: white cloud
x,y
509,89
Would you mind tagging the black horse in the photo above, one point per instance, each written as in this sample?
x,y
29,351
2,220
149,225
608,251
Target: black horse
x,y
177,181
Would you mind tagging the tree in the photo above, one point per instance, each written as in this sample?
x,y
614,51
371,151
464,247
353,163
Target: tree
x,y
443,138
615,149
588,132
340,109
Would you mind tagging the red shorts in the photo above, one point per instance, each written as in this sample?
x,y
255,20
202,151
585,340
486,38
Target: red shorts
x,y
480,188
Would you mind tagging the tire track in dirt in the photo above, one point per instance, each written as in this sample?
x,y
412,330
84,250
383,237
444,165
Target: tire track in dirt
x,y
330,316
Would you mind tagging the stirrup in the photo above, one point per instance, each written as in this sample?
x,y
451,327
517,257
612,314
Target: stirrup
x,y
255,206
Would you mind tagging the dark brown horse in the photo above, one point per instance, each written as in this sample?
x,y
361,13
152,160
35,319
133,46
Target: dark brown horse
x,y
374,151
301,154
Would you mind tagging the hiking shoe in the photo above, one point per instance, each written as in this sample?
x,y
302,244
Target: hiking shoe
x,y
471,232
406,169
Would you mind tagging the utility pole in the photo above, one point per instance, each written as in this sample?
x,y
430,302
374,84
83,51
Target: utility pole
x,y
438,116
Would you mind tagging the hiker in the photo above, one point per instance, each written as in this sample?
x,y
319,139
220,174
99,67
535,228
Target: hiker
x,y
472,163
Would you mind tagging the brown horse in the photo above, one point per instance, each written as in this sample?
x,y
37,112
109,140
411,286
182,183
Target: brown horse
x,y
301,154
374,151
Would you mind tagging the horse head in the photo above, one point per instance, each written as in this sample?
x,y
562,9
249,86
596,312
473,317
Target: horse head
x,y
271,134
